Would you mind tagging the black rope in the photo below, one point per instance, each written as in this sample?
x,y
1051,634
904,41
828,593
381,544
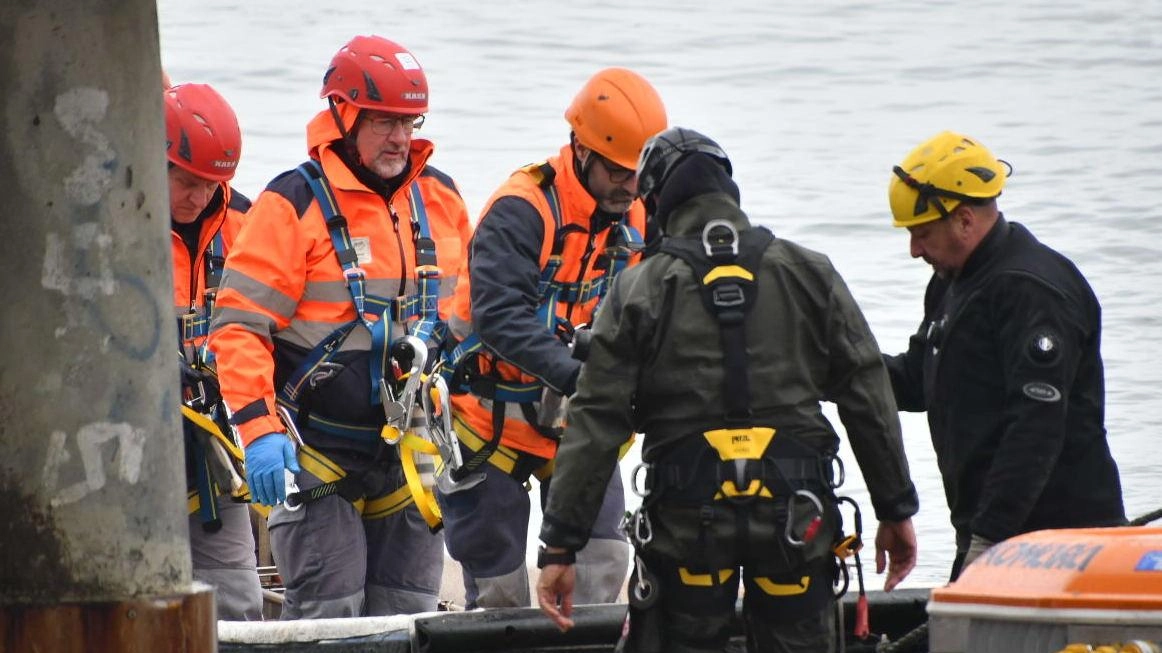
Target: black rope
x,y
917,637
1146,518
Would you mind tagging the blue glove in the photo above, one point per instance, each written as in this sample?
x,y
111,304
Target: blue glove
x,y
266,459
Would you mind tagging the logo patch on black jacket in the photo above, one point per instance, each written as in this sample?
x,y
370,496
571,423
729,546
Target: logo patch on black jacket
x,y
1041,391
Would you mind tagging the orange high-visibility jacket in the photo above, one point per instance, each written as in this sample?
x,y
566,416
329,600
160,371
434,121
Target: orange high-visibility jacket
x,y
284,291
501,301
189,276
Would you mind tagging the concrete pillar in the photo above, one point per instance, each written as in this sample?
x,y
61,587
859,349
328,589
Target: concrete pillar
x,y
92,494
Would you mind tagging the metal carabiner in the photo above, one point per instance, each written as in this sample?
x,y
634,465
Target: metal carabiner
x,y
812,529
634,487
836,464
643,592
290,484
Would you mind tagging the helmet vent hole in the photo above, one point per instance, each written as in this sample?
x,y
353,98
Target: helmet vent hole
x,y
984,174
202,121
608,139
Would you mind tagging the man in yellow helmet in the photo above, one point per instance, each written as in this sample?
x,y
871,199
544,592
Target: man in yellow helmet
x,y
549,242
1007,360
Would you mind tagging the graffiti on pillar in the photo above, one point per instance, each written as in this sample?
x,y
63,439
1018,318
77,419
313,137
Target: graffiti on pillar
x,y
80,111
60,263
82,264
121,443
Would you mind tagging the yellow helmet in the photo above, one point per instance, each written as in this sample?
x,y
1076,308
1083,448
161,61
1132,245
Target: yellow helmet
x,y
615,113
942,172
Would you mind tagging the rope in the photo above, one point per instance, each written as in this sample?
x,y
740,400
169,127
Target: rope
x,y
1146,518
917,637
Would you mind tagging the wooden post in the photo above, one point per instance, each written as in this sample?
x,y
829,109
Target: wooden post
x,y
93,535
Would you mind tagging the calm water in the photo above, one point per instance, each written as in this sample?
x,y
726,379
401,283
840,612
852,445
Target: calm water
x,y
814,102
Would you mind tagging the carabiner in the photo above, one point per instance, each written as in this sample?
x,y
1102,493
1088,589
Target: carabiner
x,y
812,529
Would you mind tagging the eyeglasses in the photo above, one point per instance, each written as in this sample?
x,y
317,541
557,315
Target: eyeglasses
x,y
617,174
384,125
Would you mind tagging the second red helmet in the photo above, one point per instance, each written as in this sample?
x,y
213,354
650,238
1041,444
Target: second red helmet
x,y
201,132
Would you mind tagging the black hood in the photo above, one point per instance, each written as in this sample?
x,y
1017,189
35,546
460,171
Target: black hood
x,y
696,174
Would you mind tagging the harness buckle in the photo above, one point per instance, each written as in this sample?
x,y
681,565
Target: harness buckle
x,y
727,295
353,275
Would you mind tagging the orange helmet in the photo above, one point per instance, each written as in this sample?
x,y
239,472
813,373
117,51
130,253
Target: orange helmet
x,y
371,72
201,132
614,114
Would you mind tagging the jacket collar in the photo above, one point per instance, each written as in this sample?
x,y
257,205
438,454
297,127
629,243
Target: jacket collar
x,y
988,249
340,175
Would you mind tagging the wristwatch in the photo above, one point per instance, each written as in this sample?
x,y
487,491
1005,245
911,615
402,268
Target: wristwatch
x,y
545,557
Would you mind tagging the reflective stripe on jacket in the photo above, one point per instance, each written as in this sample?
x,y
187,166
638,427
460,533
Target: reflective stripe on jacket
x,y
512,245
284,290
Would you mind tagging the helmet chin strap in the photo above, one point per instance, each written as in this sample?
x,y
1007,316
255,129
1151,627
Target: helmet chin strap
x,y
581,169
348,136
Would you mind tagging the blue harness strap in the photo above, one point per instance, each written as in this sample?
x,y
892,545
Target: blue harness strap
x,y
624,241
429,328
424,304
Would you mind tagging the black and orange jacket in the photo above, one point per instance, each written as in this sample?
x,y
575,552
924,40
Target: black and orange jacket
x,y
511,247
224,213
284,291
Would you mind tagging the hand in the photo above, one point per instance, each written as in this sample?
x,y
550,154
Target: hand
x,y
555,594
896,550
977,546
266,459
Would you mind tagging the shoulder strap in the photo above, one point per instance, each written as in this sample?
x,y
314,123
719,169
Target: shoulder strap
x,y
725,262
356,285
429,327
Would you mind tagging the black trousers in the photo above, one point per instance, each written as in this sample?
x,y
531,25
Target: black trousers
x,y
698,557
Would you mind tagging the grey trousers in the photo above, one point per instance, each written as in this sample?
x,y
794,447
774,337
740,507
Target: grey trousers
x,y
225,559
336,564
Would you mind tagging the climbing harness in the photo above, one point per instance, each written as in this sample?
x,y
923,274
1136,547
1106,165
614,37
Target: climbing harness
x,y
405,420
423,305
741,462
542,406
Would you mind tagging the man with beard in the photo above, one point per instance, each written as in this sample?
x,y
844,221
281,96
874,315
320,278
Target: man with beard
x,y
339,261
1007,360
548,244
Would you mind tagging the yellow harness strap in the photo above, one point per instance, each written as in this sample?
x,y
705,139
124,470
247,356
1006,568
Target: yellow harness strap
x,y
323,468
210,426
425,499
200,421
505,458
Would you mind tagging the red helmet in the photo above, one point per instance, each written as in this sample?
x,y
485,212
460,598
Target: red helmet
x,y
201,132
371,72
